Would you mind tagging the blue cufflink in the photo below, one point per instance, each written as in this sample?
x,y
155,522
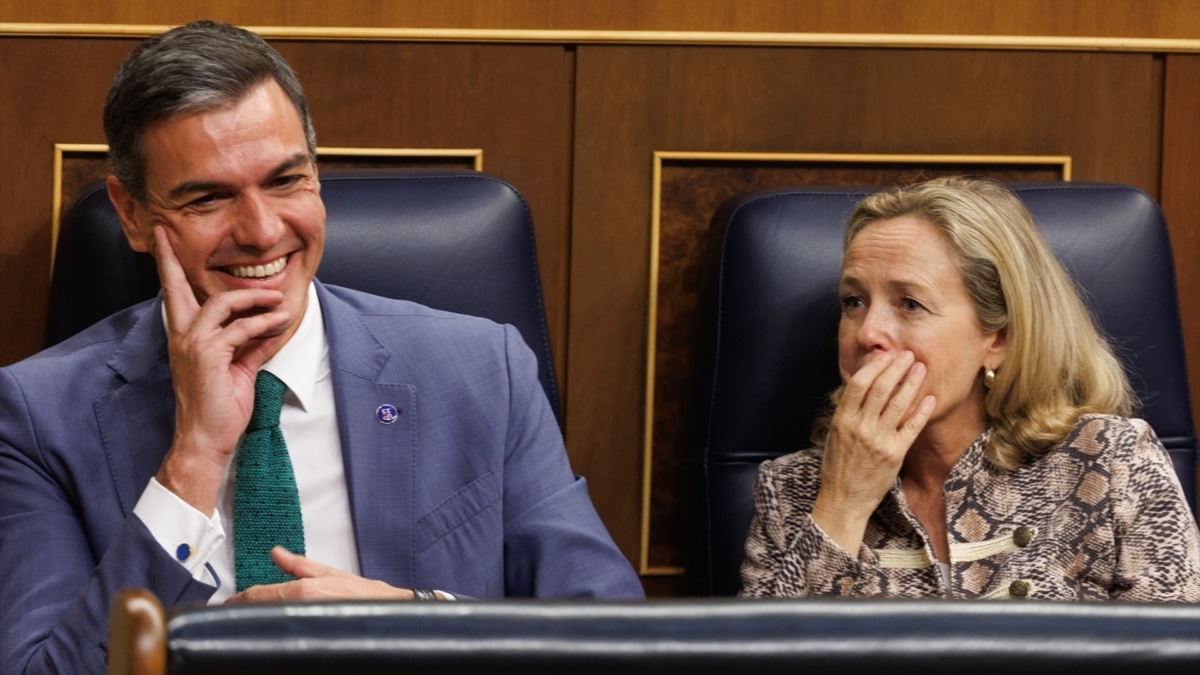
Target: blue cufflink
x,y
387,414
183,552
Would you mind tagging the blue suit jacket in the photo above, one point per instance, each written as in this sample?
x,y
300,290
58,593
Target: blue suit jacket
x,y
469,491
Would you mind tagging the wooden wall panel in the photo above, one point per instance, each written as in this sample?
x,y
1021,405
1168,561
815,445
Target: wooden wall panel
x,y
1112,18
1181,199
1101,109
513,101
53,92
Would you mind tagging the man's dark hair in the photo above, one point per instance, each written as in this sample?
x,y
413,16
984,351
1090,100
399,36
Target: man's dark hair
x,y
199,67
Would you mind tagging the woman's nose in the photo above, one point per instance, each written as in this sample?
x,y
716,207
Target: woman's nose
x,y
876,332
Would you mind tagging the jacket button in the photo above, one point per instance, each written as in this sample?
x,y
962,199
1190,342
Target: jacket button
x,y
1022,536
1019,589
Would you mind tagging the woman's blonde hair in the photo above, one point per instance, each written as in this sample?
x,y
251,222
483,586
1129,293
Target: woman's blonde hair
x,y
1058,365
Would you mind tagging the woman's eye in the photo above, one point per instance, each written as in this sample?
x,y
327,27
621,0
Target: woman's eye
x,y
851,302
912,305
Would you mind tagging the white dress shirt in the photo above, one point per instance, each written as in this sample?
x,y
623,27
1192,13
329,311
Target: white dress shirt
x,y
203,544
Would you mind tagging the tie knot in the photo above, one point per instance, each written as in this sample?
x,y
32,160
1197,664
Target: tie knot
x,y
268,401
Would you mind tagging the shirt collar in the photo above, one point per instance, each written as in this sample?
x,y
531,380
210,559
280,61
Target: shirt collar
x,y
304,360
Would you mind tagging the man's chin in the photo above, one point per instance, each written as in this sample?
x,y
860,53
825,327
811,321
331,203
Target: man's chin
x,y
269,342
273,333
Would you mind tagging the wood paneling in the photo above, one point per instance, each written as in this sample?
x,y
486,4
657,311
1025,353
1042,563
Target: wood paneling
x,y
1113,18
1181,199
53,92
1101,109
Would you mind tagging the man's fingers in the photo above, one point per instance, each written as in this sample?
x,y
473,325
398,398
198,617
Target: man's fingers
x,y
232,320
256,594
294,564
317,581
180,301
237,344
300,566
224,307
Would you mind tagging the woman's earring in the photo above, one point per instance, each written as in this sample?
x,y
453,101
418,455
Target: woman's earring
x,y
989,378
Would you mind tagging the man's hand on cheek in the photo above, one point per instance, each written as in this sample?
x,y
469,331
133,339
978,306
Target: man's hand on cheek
x,y
215,354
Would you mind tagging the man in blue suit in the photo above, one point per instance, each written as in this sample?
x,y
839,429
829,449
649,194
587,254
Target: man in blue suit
x,y
426,458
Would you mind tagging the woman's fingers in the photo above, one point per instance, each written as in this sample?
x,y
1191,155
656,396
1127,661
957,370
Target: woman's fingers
x,y
884,389
899,406
916,422
860,384
872,430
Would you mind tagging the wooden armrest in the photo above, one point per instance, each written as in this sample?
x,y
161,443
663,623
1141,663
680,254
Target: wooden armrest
x,y
137,635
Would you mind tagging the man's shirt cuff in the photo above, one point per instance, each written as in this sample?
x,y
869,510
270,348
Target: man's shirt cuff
x,y
184,532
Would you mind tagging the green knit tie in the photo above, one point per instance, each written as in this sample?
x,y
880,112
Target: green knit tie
x,y
266,505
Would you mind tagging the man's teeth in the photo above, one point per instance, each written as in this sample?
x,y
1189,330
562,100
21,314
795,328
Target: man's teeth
x,y
258,271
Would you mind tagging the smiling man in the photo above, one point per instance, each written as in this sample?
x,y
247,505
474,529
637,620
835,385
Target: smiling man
x,y
129,454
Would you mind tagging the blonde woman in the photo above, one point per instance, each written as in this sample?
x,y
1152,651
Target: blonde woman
x,y
980,445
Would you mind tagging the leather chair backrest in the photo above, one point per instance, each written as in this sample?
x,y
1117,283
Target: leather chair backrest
x,y
460,241
771,345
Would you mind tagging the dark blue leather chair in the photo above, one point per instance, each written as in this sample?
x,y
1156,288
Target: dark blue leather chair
x,y
770,347
692,637
460,241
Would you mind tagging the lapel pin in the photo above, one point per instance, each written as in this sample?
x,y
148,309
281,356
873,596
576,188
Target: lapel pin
x,y
387,413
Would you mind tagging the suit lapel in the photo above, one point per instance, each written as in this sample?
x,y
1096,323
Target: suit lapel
x,y
379,451
135,424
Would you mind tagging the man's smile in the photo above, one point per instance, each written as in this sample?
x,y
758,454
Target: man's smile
x,y
257,271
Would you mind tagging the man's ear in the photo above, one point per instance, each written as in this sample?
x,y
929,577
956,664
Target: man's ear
x,y
141,239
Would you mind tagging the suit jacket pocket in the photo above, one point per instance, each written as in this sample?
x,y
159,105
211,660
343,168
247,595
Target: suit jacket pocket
x,y
469,502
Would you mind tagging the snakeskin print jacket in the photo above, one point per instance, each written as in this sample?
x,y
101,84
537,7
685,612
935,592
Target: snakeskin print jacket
x,y
1101,516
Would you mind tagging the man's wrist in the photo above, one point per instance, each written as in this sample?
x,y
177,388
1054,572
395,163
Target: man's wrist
x,y
424,594
193,478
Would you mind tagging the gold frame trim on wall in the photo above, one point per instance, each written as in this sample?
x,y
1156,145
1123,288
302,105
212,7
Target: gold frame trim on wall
x,y
56,197
712,38
61,149
644,567
476,154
